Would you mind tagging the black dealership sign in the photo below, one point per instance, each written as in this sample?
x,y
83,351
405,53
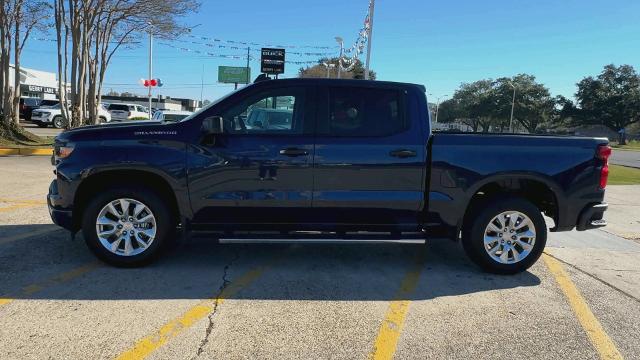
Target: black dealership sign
x,y
272,61
37,89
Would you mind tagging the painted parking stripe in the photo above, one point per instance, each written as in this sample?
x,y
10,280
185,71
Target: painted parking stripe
x,y
54,280
19,201
18,206
391,328
27,235
603,344
147,345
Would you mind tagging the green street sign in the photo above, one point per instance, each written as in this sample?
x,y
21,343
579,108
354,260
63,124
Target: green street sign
x,y
234,74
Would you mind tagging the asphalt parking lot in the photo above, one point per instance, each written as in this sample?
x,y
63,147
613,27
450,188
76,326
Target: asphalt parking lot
x,y
309,300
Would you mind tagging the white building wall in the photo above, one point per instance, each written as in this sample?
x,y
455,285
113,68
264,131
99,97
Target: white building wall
x,y
36,83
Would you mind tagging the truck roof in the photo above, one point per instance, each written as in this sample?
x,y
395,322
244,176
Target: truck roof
x,y
329,82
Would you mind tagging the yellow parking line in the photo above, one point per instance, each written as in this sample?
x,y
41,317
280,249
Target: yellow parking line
x,y
391,328
147,345
19,201
28,235
18,206
55,280
598,337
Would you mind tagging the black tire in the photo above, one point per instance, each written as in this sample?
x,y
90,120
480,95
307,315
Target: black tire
x,y
58,122
165,225
473,234
102,120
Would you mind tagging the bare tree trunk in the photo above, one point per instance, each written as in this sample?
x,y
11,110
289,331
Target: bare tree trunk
x,y
91,101
3,59
59,15
15,100
7,89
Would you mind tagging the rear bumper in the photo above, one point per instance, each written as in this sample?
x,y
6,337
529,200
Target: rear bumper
x,y
591,217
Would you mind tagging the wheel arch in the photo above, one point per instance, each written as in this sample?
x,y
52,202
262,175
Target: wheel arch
x,y
98,180
540,190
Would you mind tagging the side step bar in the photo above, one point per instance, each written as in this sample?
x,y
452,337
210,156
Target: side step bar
x,y
309,236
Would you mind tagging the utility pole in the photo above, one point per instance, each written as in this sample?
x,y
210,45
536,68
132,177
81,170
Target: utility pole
x,y
369,39
201,84
341,42
513,104
150,64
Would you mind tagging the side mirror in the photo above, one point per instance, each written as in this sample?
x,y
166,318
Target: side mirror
x,y
213,125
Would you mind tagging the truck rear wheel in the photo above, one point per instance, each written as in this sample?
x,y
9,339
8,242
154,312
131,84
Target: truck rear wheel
x,y
505,235
127,227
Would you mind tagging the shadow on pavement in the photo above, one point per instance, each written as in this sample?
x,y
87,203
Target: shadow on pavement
x,y
195,270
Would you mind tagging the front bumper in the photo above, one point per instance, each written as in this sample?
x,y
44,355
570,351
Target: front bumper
x,y
591,217
59,216
41,119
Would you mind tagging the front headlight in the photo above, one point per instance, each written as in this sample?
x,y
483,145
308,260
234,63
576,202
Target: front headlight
x,y
62,151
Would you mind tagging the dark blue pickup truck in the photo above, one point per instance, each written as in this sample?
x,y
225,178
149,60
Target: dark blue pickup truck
x,y
321,158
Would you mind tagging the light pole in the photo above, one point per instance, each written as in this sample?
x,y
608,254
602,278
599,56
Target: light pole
x,y
341,42
150,64
369,39
438,105
513,104
329,66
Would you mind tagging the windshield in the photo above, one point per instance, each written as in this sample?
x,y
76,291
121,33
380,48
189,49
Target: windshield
x,y
119,107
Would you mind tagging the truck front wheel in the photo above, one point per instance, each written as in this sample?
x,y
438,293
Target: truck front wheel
x,y
127,226
505,236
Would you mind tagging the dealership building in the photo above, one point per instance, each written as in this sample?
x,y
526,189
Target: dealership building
x,y
36,83
44,85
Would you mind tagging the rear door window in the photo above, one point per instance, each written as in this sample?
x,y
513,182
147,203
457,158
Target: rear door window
x,y
363,112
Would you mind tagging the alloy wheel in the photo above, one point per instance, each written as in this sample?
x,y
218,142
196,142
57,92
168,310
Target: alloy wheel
x,y
509,237
126,227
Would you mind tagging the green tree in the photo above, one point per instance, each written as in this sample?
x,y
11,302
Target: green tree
x,y
448,111
533,104
320,70
474,104
611,99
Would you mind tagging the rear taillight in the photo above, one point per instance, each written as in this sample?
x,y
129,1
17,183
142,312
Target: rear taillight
x,y
603,153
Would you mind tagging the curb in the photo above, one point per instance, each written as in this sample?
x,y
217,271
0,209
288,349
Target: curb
x,y
43,151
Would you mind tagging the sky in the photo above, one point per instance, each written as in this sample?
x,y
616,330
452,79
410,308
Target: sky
x,y
440,44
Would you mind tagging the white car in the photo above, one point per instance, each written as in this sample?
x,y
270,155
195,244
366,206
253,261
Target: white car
x,y
124,112
170,115
52,115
